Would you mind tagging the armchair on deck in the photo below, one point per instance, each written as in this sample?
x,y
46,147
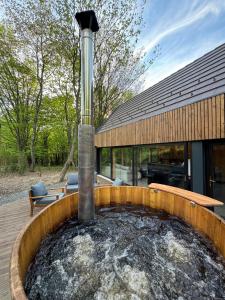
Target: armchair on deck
x,y
39,196
72,183
117,182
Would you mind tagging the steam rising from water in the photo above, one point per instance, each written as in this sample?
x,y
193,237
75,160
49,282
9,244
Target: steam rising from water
x,y
128,253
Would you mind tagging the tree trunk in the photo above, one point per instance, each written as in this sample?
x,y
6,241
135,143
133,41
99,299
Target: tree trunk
x,y
32,153
70,159
22,162
33,138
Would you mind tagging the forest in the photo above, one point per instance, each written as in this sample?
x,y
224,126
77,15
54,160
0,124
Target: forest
x,y
40,75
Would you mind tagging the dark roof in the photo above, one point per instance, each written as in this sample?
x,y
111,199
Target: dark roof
x,y
201,79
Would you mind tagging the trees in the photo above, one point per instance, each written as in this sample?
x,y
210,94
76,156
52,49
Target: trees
x,y
54,137
117,66
17,84
47,46
33,24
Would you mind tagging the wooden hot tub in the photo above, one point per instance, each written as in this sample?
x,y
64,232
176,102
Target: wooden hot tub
x,y
189,206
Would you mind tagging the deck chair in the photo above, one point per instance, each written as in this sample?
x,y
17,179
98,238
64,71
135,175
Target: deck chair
x,y
39,196
117,182
72,183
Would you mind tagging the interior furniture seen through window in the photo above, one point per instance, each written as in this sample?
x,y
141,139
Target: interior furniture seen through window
x,y
122,164
163,164
105,162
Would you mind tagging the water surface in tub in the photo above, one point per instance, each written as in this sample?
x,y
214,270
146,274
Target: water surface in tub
x,y
127,253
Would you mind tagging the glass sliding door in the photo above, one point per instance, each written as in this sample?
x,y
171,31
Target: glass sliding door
x,y
105,162
143,157
163,164
216,174
122,164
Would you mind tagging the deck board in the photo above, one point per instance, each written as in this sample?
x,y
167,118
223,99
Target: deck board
x,y
13,216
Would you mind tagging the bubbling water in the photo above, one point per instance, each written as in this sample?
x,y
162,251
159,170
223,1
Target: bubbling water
x,y
127,253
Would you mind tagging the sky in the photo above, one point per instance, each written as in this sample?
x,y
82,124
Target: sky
x,y
184,30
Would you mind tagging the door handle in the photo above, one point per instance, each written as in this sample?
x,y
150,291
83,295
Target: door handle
x,y
211,180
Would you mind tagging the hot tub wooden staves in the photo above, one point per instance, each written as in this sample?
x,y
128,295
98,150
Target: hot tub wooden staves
x,y
183,204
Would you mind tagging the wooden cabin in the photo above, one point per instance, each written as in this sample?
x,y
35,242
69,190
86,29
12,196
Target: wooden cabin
x,y
172,133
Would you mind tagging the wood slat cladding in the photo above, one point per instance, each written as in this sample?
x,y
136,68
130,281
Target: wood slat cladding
x,y
202,120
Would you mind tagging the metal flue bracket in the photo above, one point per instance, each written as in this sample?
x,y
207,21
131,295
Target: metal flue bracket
x,y
86,161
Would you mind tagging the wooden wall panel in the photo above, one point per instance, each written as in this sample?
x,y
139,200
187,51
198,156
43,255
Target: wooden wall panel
x,y
210,118
198,121
206,120
218,117
214,116
222,116
190,120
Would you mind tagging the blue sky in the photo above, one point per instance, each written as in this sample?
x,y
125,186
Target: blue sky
x,y
184,30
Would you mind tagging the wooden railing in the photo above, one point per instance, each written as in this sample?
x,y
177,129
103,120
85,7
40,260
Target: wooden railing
x,y
178,203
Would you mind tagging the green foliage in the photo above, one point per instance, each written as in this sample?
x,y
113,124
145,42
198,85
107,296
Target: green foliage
x,y
40,74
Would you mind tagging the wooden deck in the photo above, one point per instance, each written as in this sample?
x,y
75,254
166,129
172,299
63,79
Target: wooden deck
x,y
13,217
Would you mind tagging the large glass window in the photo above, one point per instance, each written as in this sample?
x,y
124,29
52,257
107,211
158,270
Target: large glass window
x,y
163,164
122,164
105,162
216,174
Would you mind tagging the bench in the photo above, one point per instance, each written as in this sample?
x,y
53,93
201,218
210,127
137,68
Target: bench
x,y
193,197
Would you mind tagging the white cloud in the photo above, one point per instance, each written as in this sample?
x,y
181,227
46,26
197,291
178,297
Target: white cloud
x,y
171,62
153,76
164,27
191,15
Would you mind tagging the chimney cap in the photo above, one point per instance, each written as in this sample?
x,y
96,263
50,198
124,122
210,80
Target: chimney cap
x,y
87,19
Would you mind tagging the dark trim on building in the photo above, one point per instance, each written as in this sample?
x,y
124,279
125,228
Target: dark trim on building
x,y
98,155
111,165
198,167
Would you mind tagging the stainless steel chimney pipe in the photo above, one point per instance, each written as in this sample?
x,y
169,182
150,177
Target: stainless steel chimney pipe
x,y
86,76
86,161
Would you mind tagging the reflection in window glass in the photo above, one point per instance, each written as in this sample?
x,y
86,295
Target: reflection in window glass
x,y
161,164
105,162
122,164
154,158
